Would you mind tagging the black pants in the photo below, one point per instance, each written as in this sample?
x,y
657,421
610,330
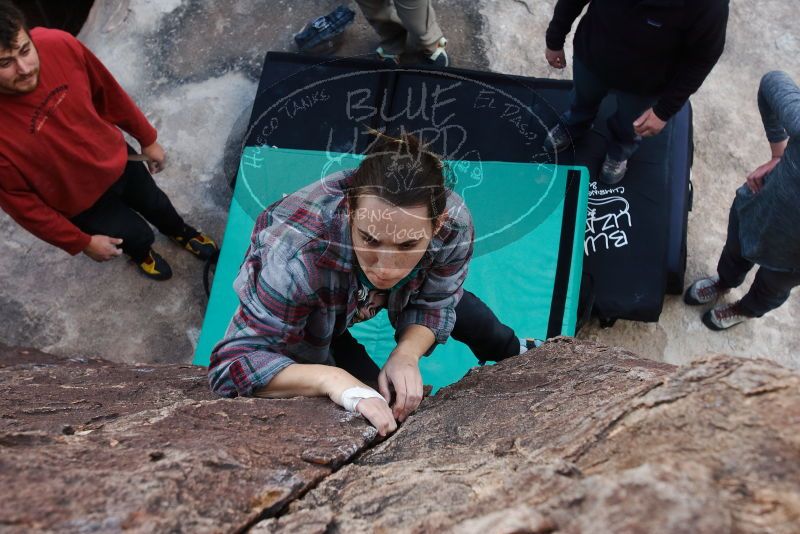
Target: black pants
x,y
118,213
587,95
770,288
476,326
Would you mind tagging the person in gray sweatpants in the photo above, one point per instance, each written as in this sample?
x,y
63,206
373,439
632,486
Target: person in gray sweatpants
x,y
406,25
764,221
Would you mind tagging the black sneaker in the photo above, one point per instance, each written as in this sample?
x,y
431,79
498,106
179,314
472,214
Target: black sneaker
x,y
391,60
558,138
155,267
200,245
613,171
532,343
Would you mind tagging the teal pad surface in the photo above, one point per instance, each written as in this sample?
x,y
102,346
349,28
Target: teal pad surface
x,y
517,208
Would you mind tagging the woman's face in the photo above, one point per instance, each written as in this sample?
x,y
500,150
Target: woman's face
x,y
389,241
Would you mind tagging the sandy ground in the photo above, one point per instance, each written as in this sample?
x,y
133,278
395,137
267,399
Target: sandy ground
x,y
193,66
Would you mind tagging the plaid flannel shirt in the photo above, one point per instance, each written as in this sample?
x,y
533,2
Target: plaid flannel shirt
x,y
298,288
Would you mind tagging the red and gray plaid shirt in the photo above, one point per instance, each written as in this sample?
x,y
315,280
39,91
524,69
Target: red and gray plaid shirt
x,y
298,287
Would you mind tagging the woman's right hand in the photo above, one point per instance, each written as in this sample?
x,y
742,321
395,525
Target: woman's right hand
x,y
336,381
379,414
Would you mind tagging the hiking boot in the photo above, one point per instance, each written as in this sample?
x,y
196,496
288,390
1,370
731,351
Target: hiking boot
x,y
200,245
439,57
703,291
392,60
155,267
724,317
558,138
613,171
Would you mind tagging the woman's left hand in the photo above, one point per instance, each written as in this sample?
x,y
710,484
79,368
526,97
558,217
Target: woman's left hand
x,y
755,180
401,371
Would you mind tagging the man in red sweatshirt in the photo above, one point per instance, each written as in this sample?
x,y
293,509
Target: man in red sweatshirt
x,y
65,173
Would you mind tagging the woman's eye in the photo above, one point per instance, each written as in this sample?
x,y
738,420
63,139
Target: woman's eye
x,y
407,246
369,240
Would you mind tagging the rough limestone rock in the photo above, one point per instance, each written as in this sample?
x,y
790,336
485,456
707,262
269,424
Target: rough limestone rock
x,y
573,437
87,445
576,437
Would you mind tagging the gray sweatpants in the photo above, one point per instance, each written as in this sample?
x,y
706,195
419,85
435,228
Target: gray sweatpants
x,y
403,25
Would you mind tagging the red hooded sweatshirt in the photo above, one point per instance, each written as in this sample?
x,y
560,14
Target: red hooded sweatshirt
x,y
60,148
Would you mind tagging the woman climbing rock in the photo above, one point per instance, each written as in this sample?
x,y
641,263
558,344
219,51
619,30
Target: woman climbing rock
x,y
389,234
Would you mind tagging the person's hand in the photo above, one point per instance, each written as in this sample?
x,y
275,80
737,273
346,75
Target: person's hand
x,y
755,180
556,58
401,371
156,157
335,381
648,124
378,413
103,248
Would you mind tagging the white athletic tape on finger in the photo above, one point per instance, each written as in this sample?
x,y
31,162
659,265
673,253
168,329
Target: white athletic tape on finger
x,y
351,396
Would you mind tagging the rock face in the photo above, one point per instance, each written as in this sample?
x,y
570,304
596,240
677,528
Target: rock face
x,y
100,446
576,437
572,437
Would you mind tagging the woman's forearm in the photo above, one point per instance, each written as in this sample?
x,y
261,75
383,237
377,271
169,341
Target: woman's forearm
x,y
309,380
415,340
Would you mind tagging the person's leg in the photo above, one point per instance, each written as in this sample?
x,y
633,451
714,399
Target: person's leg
x,y
140,192
624,141
770,289
111,217
385,21
419,19
585,98
732,267
480,329
351,356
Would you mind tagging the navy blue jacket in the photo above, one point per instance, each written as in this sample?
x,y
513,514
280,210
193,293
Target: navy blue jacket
x,y
662,48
